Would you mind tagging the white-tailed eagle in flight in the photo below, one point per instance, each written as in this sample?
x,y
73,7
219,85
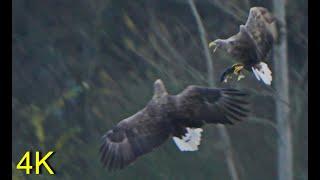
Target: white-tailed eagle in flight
x,y
178,116
251,45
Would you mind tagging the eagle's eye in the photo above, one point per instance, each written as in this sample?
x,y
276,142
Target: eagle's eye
x,y
233,42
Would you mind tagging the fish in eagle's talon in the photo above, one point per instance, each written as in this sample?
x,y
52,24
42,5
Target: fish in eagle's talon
x,y
226,75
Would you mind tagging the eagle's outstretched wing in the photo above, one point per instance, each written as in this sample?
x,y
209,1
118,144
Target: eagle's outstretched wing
x,y
261,27
211,105
131,138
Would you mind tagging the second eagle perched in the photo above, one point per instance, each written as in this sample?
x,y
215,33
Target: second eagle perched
x,y
251,45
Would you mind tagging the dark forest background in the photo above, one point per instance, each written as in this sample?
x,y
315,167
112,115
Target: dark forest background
x,y
81,66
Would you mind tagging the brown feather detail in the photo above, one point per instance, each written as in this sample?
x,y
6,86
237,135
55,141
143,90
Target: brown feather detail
x,y
262,28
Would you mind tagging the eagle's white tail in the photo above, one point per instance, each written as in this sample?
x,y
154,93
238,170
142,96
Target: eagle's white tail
x,y
190,141
262,72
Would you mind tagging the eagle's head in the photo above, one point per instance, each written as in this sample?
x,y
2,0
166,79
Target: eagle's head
x,y
218,43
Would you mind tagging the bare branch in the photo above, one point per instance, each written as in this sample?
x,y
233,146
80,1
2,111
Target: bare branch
x,y
222,130
285,151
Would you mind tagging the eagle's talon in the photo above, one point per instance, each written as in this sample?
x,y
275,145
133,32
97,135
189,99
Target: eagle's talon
x,y
241,76
237,68
226,78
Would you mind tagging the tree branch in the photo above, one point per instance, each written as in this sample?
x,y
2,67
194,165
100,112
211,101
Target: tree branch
x,y
222,130
285,160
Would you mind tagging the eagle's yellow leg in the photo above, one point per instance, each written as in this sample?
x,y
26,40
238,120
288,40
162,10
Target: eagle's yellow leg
x,y
237,69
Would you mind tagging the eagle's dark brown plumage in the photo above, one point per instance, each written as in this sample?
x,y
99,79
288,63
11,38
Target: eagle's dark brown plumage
x,y
171,116
251,45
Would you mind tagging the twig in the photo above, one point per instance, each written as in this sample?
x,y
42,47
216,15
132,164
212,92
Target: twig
x,y
204,42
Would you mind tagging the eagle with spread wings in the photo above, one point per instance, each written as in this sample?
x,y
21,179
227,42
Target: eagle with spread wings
x,y
178,116
250,46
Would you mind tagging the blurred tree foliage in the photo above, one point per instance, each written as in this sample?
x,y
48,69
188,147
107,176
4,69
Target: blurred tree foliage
x,y
81,66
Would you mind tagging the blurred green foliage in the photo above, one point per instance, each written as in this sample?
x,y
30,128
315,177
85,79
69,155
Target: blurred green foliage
x,y
81,66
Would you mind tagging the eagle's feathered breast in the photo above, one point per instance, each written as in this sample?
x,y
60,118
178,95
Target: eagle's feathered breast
x,y
240,46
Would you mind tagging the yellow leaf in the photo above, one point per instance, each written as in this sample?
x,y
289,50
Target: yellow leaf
x,y
128,21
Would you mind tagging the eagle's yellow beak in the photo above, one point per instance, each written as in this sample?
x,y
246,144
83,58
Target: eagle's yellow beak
x,y
213,44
